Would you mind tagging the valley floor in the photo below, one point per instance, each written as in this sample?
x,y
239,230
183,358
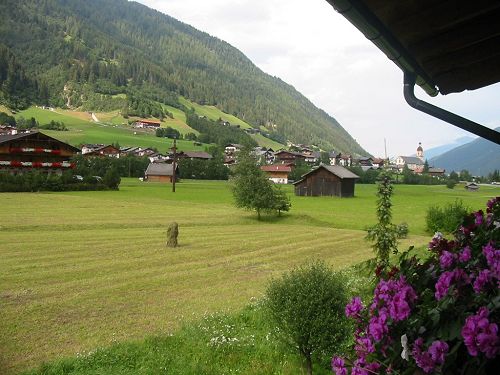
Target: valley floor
x,y
82,270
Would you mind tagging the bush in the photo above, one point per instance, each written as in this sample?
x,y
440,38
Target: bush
x,y
450,184
438,314
307,305
445,219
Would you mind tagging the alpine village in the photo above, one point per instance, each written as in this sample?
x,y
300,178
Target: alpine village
x,y
169,206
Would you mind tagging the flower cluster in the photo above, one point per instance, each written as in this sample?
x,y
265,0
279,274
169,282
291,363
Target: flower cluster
x,y
431,358
481,336
422,309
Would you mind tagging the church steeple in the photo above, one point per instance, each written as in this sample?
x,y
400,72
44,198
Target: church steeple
x,y
420,151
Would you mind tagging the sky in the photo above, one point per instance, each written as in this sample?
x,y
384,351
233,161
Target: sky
x,y
309,45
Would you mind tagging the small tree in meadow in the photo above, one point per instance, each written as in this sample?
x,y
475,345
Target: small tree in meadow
x,y
307,304
281,200
251,188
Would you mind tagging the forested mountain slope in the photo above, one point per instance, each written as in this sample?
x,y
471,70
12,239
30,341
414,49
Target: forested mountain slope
x,y
87,54
480,157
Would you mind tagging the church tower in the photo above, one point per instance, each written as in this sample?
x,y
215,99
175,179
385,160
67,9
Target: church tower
x,y
420,151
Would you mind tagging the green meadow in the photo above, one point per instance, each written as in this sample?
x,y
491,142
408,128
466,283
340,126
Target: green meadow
x,y
85,270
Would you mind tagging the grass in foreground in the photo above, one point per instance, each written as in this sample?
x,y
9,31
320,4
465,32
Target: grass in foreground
x,y
82,270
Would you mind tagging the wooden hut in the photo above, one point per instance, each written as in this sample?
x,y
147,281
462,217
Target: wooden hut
x,y
327,180
472,186
160,172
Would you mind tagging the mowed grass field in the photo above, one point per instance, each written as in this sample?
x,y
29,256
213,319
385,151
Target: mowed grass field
x,y
81,270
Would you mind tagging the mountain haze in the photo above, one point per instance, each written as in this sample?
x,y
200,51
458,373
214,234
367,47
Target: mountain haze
x,y
480,157
115,54
439,150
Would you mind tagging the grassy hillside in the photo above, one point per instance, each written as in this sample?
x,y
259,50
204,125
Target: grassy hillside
x,y
83,130
112,127
213,113
93,269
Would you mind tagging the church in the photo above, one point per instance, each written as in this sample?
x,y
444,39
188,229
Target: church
x,y
414,163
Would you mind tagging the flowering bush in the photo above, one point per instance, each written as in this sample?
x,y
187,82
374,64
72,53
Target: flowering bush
x,y
434,315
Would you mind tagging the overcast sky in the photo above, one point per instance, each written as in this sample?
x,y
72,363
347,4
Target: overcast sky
x,y
310,46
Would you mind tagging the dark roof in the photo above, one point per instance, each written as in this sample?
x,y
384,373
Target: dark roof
x,y
36,134
412,160
337,170
159,169
197,154
436,170
450,46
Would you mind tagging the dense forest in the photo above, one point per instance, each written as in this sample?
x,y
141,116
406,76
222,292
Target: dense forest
x,y
116,54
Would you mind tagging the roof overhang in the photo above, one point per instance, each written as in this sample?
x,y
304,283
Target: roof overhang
x,y
443,46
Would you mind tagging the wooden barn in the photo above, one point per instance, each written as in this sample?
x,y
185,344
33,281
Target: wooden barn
x,y
25,152
327,180
160,172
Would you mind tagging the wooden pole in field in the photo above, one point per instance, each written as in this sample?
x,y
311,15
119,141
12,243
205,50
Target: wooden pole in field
x,y
174,166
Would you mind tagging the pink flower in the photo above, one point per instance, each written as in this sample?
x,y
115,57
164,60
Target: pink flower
x,y
378,326
429,359
446,259
482,280
338,365
353,308
493,259
481,336
479,216
465,255
448,279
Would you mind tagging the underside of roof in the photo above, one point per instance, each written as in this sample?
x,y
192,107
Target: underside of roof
x,y
450,46
444,46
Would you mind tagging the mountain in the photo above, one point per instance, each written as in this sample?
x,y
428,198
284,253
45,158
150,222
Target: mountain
x,y
114,54
439,150
479,157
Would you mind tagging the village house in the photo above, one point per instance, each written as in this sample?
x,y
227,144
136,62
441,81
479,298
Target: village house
x,y
232,148
436,172
103,150
229,161
312,157
343,160
8,130
378,163
277,173
288,157
264,155
192,155
147,124
327,180
161,172
24,152
412,162
364,161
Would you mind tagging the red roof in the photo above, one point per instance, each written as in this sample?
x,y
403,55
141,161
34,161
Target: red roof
x,y
149,121
276,168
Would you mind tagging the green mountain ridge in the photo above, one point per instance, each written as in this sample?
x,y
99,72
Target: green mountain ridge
x,y
85,54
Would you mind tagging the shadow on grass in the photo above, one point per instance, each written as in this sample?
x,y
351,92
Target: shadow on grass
x,y
290,219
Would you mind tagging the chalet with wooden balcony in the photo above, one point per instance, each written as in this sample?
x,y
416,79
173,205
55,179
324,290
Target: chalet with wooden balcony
x,y
35,151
